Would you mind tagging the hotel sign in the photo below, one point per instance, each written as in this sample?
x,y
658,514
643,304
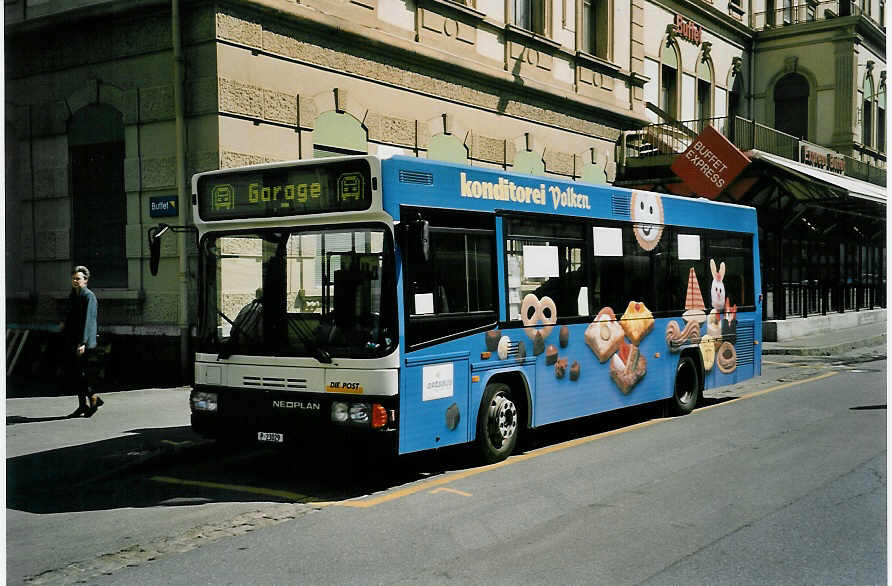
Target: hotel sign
x,y
688,30
823,159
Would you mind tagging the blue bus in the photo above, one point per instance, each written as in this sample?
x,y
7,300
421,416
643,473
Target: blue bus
x,y
439,304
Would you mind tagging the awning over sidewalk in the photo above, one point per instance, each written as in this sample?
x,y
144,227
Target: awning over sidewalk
x,y
851,187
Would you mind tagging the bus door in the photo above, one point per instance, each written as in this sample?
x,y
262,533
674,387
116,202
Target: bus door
x,y
434,403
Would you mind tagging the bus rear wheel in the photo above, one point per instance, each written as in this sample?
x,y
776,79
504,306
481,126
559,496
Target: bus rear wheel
x,y
687,387
498,424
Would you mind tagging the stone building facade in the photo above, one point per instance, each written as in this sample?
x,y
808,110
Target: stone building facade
x,y
91,121
105,122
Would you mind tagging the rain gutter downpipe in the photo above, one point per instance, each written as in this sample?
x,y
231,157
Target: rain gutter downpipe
x,y
182,195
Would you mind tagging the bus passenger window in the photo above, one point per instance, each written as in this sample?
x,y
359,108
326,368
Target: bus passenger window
x,y
546,259
454,291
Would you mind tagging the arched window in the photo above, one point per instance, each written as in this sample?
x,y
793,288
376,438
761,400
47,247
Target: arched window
x,y
592,173
669,72
99,210
881,118
735,98
336,134
447,147
867,113
791,105
529,162
704,89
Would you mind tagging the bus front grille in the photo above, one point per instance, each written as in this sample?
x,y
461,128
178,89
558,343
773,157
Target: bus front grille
x,y
274,382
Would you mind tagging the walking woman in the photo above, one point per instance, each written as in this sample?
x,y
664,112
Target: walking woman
x,y
79,331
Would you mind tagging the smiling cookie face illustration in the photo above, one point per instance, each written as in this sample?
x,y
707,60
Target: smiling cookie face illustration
x,y
647,217
538,315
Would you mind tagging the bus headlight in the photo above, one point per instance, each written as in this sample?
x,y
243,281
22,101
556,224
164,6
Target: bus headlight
x,y
203,401
360,413
339,412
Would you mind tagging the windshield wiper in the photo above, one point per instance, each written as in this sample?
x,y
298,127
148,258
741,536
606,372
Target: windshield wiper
x,y
306,335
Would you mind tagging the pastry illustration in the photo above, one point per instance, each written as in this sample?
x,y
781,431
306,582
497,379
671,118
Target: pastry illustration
x,y
693,304
714,324
717,291
538,315
729,322
627,367
604,334
678,338
726,358
560,368
521,350
551,355
707,351
574,370
647,216
637,321
564,336
492,340
538,344
504,347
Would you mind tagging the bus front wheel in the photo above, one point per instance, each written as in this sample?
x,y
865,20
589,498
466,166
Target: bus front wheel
x,y
498,424
687,387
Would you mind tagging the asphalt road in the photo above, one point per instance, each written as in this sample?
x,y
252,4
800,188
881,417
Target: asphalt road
x,y
781,479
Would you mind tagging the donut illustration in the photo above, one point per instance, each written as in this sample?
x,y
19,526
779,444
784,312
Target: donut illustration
x,y
538,316
647,218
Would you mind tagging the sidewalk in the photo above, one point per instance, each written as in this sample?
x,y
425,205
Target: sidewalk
x,y
832,343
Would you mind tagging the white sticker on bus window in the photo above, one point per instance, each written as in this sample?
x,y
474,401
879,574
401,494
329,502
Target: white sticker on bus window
x,y
424,303
540,261
436,381
582,301
688,247
608,241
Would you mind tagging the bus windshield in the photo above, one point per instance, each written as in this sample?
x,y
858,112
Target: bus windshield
x,y
299,292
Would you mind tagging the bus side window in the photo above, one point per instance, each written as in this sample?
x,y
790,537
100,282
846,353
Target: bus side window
x,y
455,290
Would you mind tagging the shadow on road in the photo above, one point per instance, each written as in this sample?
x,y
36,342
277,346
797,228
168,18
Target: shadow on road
x,y
174,466
17,419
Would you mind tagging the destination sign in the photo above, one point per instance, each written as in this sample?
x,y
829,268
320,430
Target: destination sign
x,y
286,191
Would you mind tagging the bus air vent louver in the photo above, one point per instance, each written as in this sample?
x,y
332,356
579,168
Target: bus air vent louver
x,y
744,345
417,177
274,382
621,205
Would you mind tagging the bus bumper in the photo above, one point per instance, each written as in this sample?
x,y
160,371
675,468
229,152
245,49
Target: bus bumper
x,y
283,417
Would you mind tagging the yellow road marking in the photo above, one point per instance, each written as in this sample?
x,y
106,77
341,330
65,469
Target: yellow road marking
x,y
234,487
452,490
770,390
364,503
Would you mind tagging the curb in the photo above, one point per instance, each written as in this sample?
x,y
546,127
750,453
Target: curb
x,y
825,350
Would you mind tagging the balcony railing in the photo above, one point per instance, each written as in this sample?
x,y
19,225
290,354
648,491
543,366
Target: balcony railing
x,y
673,138
790,13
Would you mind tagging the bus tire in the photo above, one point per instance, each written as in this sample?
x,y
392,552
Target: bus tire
x,y
686,392
498,423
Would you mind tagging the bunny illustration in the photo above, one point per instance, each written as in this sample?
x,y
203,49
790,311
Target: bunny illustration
x,y
718,286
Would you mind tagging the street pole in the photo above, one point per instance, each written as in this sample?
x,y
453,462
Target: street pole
x,y
182,196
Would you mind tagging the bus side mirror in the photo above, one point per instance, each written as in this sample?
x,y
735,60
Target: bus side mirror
x,y
418,239
155,247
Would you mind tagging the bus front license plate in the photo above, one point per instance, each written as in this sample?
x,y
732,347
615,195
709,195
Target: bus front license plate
x,y
266,436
